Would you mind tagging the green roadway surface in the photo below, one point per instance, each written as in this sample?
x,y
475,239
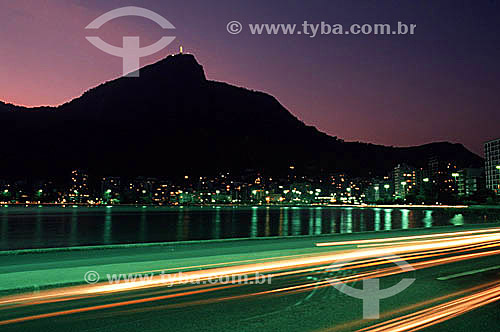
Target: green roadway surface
x,y
34,271
322,309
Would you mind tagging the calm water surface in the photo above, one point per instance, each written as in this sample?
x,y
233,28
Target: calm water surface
x,y
22,228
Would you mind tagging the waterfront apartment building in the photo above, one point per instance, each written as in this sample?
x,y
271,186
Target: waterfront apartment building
x,y
443,175
492,166
470,181
405,180
79,189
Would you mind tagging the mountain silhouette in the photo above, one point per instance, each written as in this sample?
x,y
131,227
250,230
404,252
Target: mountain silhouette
x,y
172,120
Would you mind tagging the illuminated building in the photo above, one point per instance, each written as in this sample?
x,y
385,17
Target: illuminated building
x,y
380,189
6,192
470,180
139,190
405,179
79,187
492,166
110,189
444,175
161,193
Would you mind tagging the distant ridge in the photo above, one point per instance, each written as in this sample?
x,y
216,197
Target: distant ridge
x,y
173,120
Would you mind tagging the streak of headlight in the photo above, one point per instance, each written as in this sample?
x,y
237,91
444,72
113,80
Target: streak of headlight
x,y
100,307
341,243
380,273
226,263
420,241
437,314
351,265
350,326
360,254
344,326
214,273
59,296
291,263
325,244
50,299
380,261
324,283
348,279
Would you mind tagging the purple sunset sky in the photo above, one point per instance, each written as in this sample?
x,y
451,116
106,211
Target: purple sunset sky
x,y
443,83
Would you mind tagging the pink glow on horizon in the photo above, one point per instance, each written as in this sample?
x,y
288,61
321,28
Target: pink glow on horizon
x,y
392,92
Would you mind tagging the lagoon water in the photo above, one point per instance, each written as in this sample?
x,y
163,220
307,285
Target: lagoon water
x,y
23,228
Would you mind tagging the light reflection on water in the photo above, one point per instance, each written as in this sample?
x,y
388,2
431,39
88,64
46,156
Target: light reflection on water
x,y
58,227
377,218
457,220
388,219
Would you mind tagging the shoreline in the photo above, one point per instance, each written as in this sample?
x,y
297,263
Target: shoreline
x,y
146,206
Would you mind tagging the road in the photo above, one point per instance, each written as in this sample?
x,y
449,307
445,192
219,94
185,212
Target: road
x,y
456,287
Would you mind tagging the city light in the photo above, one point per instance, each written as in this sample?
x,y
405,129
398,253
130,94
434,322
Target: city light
x,y
256,189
